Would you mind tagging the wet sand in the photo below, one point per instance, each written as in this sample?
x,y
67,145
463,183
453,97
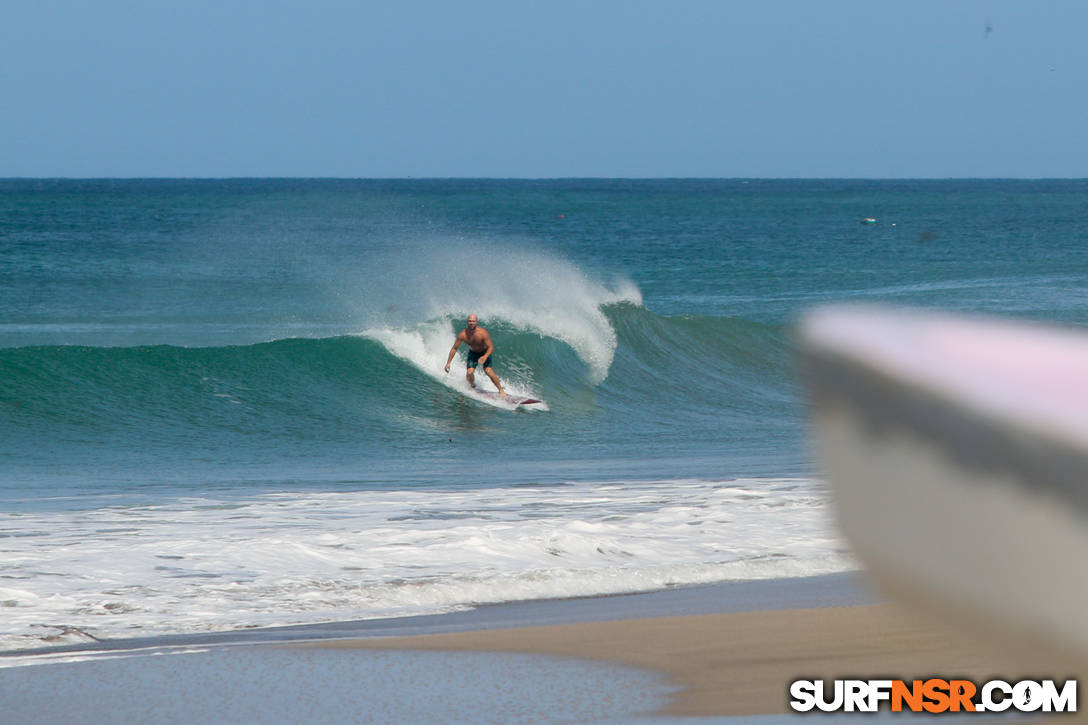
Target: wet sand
x,y
742,663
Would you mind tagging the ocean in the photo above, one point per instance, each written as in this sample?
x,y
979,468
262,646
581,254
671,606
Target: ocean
x,y
223,403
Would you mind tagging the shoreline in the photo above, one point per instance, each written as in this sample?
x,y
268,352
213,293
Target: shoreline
x,y
826,590
723,651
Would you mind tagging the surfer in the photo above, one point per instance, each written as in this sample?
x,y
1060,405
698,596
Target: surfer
x,y
480,352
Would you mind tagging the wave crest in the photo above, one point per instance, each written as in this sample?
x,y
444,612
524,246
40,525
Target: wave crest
x,y
510,288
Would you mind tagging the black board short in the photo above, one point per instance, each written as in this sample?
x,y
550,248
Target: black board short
x,y
474,360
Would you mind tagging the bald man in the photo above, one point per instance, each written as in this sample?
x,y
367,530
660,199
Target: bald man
x,y
480,352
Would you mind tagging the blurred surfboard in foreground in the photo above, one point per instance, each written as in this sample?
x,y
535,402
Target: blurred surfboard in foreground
x,y
957,452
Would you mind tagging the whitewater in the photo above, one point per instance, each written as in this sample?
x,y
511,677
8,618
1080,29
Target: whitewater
x,y
199,564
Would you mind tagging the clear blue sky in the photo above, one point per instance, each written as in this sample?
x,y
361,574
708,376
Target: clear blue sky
x,y
519,88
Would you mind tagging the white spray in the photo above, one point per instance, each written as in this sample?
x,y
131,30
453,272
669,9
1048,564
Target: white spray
x,y
529,290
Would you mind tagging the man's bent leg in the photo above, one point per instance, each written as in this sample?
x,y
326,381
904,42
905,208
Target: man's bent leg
x,y
471,375
495,379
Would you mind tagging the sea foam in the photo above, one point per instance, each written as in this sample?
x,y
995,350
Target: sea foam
x,y
198,564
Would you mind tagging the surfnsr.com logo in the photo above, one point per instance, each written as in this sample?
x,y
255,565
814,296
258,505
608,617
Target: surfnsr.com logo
x,y
933,696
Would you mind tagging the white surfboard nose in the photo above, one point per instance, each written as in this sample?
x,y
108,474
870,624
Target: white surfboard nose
x,y
957,452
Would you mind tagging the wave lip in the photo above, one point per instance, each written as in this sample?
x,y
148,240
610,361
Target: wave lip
x,y
528,291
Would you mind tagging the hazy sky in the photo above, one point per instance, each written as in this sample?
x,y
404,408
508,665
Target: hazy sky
x,y
519,88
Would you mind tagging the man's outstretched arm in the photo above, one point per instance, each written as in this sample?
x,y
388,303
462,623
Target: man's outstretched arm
x,y
453,351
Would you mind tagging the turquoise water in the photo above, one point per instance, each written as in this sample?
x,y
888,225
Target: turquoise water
x,y
179,354
181,331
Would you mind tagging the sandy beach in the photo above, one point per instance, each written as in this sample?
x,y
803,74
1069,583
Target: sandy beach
x,y
742,663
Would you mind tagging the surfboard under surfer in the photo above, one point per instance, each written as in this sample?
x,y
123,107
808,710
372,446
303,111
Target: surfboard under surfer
x,y
480,352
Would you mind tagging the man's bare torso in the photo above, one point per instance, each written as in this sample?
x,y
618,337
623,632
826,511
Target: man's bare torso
x,y
477,340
